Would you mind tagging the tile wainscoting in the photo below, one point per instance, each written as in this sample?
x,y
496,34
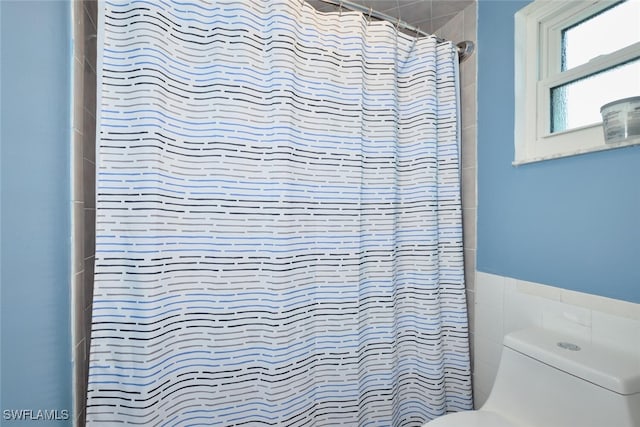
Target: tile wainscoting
x,y
504,304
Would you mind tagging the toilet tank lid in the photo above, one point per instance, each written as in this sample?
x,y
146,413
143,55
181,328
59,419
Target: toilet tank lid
x,y
606,367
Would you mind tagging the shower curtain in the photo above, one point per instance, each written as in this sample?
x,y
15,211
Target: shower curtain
x,y
278,232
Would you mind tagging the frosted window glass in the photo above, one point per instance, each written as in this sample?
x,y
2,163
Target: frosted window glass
x,y
578,103
606,32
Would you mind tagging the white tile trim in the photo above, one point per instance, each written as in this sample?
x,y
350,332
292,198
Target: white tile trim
x,y
504,304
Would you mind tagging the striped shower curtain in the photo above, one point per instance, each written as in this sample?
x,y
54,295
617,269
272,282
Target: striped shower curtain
x,y
278,233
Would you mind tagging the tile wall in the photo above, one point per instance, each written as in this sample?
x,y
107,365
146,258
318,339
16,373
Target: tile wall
x,y
504,304
463,27
83,199
428,15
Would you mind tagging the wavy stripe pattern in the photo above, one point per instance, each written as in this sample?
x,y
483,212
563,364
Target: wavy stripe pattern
x,y
279,237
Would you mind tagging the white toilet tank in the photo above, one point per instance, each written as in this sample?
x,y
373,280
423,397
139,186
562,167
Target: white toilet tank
x,y
547,379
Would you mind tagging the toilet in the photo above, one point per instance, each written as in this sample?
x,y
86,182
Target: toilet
x,y
549,379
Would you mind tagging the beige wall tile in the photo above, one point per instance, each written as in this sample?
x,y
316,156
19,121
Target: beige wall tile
x,y
78,93
453,28
89,84
447,7
468,106
469,228
89,237
89,136
76,162
84,108
89,178
469,268
469,188
77,289
469,151
88,282
77,236
414,11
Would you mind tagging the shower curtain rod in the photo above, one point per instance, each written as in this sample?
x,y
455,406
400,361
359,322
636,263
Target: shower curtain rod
x,y
465,48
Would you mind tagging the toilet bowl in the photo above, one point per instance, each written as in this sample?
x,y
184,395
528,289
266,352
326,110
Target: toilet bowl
x,y
548,379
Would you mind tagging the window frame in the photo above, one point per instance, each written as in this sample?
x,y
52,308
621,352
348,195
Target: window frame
x,y
538,47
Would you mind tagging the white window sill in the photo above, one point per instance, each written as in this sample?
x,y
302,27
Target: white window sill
x,y
561,154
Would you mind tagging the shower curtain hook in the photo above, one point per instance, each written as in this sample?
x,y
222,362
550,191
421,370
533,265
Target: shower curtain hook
x,y
415,41
417,34
340,10
369,16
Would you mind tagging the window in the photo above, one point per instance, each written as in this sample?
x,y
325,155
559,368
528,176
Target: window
x,y
572,57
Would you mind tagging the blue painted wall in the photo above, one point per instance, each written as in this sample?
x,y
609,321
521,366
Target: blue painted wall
x,y
574,222
35,207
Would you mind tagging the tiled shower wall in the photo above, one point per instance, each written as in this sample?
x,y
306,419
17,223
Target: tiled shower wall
x,y
84,196
428,15
463,27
